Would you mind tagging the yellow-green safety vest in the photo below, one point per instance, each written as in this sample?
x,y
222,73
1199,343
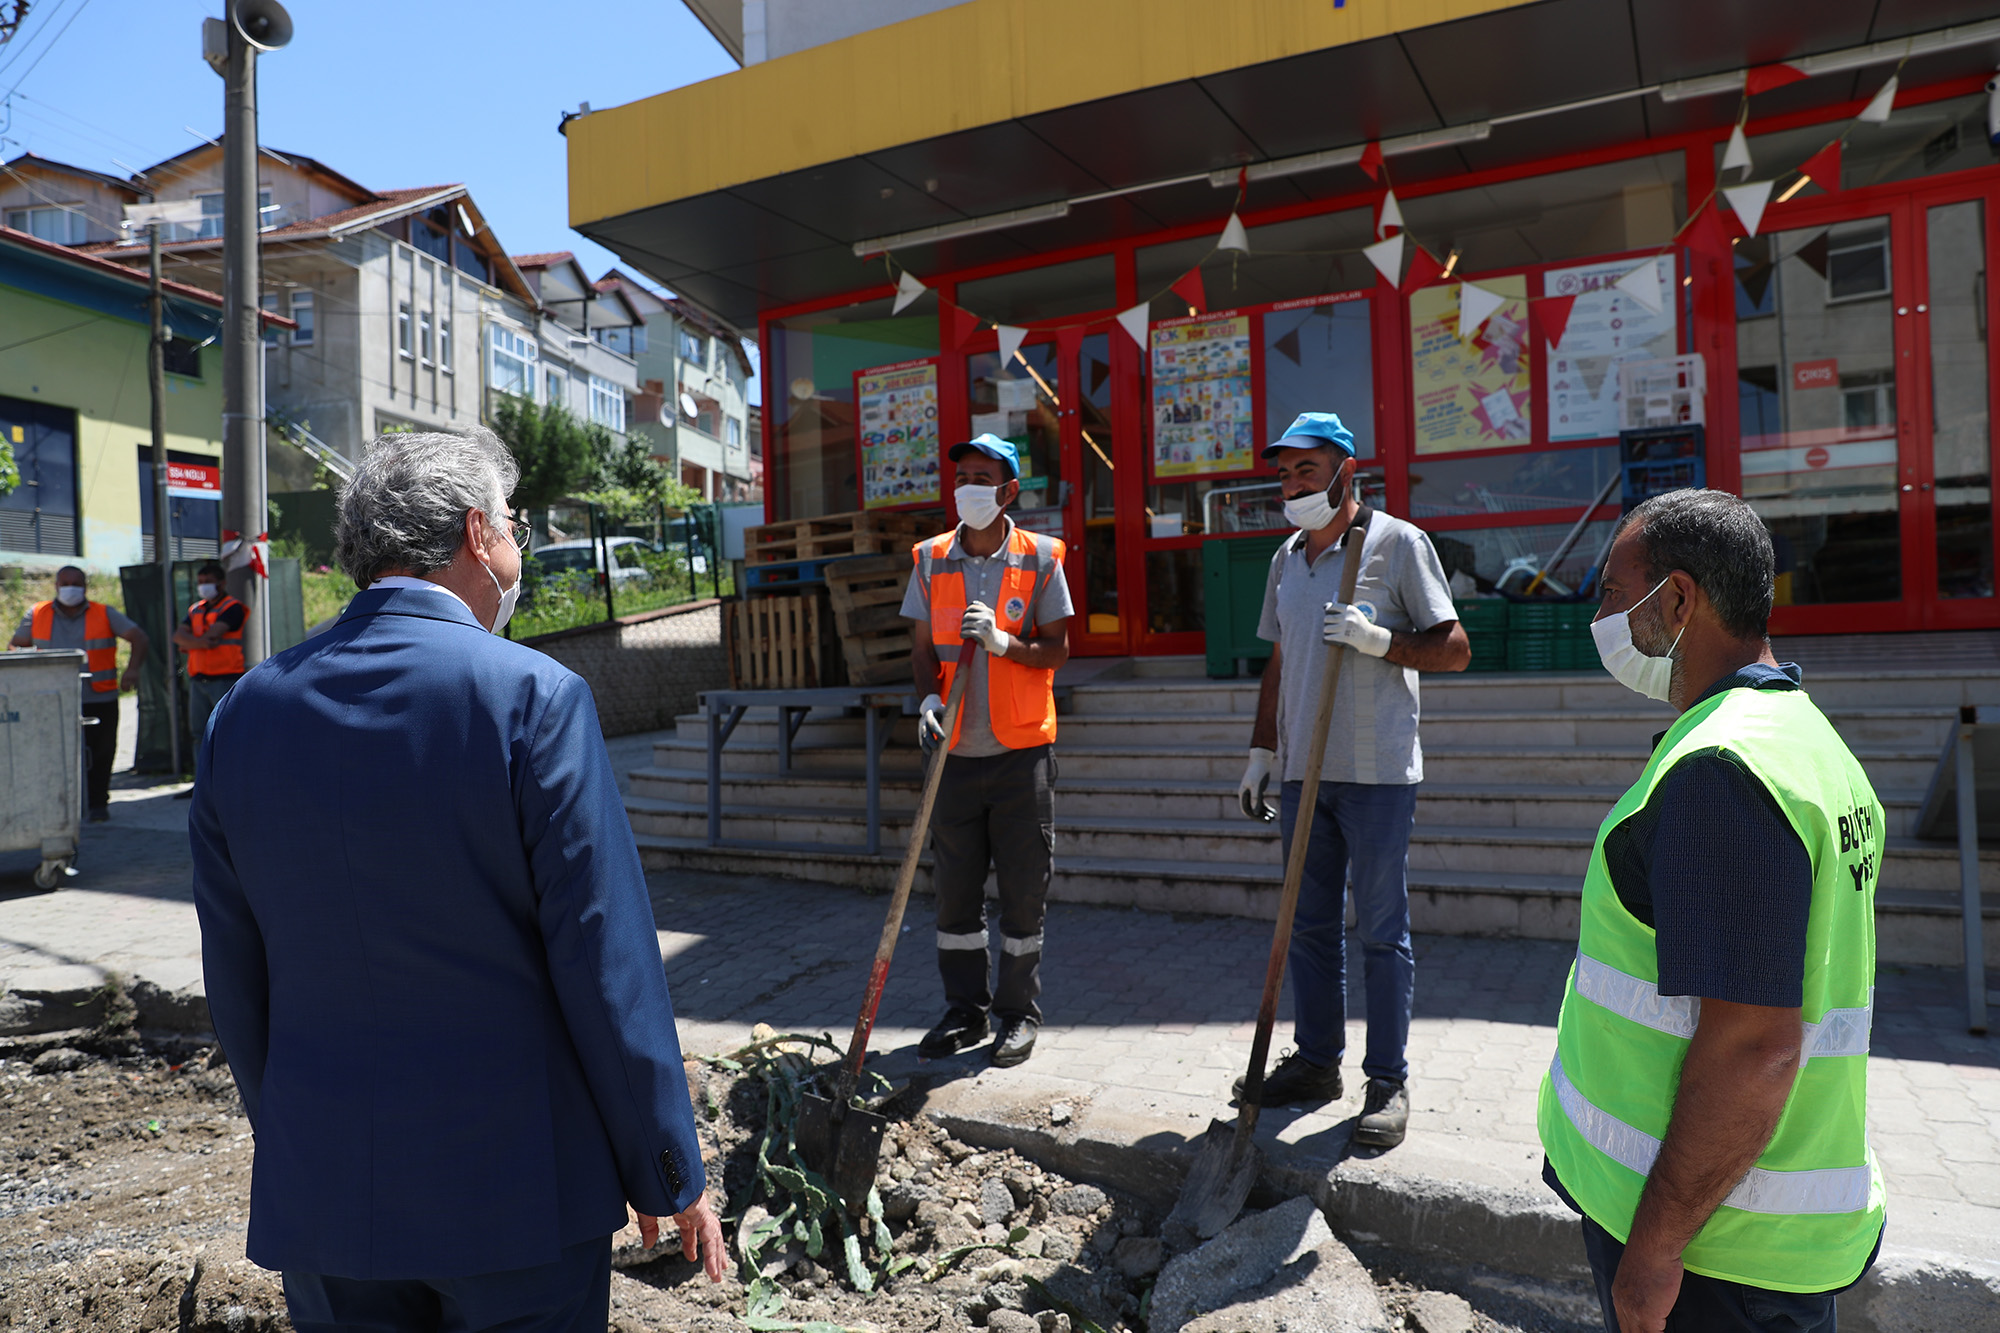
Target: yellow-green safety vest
x,y
1807,1215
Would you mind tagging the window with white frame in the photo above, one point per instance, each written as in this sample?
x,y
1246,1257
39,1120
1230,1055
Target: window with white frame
x,y
64,224
733,433
694,347
403,327
302,315
607,404
211,212
424,336
444,343
269,301
555,387
514,360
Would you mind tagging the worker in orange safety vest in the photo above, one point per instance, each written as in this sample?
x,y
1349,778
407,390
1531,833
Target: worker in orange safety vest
x,y
72,621
212,637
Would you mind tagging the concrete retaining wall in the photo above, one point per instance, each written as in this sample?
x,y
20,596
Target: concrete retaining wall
x,y
644,669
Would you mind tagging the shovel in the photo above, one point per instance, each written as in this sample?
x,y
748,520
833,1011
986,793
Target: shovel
x,y
1229,1162
836,1138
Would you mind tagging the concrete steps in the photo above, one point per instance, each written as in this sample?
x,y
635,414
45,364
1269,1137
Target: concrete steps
x,y
1519,771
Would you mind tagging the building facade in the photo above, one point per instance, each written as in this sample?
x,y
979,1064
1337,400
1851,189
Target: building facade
x,y
1141,264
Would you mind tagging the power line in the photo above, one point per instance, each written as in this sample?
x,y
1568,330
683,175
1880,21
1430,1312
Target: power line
x,y
20,46
74,13
71,115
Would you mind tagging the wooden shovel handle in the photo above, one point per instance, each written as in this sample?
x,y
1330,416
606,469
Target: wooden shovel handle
x,y
1295,864
885,949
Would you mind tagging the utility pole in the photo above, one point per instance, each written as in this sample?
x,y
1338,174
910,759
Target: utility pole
x,y
252,26
163,523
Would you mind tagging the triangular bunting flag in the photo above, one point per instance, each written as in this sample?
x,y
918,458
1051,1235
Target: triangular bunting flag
x,y
1475,306
1748,202
1391,215
1010,342
908,289
1423,270
1766,77
1823,167
1371,160
1189,289
963,325
1387,257
1552,313
1706,236
1134,322
1233,236
1881,104
1736,157
1642,284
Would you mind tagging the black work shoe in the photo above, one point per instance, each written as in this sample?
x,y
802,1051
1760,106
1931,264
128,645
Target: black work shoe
x,y
958,1029
1297,1079
100,814
1017,1041
1385,1115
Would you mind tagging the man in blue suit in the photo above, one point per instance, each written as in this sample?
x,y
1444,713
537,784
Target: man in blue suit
x,y
429,949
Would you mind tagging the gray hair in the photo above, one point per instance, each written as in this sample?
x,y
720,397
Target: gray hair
x,y
405,507
1718,541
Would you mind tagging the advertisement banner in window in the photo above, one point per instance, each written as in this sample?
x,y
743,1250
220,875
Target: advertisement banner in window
x,y
1470,394
899,435
1204,418
1607,328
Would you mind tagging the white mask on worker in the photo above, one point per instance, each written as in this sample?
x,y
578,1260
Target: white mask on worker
x,y
978,506
207,591
1314,510
1636,671
70,595
508,596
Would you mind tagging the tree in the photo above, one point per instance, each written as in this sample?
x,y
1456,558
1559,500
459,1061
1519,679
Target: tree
x,y
556,453
630,483
10,472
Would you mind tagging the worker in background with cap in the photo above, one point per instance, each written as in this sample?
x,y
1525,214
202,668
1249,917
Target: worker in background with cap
x,y
997,583
1401,621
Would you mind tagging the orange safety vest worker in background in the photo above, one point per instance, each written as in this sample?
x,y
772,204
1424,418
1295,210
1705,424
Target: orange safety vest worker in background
x,y
71,622
212,638
226,659
100,647
1001,585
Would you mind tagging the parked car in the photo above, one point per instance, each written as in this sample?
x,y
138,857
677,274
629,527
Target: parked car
x,y
586,558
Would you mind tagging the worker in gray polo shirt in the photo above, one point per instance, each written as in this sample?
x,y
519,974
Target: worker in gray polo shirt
x,y
1400,622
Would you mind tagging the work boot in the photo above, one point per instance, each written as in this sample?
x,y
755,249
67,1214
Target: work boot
x,y
1385,1115
1017,1041
958,1029
1297,1079
100,814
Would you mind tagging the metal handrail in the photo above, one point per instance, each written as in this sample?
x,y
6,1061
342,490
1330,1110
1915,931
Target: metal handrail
x,y
312,446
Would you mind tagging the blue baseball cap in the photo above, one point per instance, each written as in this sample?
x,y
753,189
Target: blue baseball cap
x,y
993,447
1313,430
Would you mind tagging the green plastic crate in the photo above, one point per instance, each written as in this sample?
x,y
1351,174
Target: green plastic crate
x,y
1488,614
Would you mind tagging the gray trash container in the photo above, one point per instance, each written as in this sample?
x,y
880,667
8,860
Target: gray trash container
x,y
41,757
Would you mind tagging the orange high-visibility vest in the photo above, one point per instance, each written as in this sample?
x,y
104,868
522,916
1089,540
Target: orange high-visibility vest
x,y
1021,700
99,646
226,659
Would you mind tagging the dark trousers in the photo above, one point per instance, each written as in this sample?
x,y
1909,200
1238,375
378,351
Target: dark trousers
x,y
204,693
1363,828
571,1295
997,812
1711,1305
100,747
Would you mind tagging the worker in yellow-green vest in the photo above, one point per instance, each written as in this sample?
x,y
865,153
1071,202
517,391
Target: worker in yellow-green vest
x,y
1706,1108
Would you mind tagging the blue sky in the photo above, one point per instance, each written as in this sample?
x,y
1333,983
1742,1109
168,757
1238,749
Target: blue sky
x,y
388,92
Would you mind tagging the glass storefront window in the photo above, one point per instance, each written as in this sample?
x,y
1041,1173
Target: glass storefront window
x,y
1319,358
1915,141
1100,453
1631,205
812,363
1020,403
1173,590
1446,487
1961,438
1049,292
1312,256
1509,558
1816,395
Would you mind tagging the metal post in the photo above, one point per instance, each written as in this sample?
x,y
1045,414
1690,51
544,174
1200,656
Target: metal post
x,y
715,740
687,548
602,541
244,498
163,523
1968,882
714,535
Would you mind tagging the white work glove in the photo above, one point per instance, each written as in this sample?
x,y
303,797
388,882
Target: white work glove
x,y
1257,780
1350,625
930,723
978,623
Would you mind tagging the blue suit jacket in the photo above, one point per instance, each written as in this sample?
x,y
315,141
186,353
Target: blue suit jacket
x,y
430,954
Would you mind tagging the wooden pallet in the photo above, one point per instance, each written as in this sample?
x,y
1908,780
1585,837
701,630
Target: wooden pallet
x,y
867,599
861,533
778,643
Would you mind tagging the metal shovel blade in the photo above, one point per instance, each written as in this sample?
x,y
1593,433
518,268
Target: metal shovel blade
x,y
1218,1182
845,1148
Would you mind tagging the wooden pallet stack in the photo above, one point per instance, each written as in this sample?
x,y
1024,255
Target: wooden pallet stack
x,y
867,597
780,643
802,540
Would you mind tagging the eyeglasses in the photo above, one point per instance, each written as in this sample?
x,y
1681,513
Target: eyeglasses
x,y
517,531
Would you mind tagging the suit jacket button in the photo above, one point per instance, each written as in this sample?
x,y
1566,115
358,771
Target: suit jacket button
x,y
667,1164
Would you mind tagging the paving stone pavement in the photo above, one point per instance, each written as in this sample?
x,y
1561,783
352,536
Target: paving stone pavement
x,y
1152,1009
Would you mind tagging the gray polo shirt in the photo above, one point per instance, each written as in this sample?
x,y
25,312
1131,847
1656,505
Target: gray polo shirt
x,y
982,584
67,632
1373,737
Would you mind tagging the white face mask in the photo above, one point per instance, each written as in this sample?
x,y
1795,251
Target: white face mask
x,y
1313,511
207,591
978,506
70,595
508,596
1650,676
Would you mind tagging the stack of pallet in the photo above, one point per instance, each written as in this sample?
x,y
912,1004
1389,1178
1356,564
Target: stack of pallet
x,y
798,551
867,597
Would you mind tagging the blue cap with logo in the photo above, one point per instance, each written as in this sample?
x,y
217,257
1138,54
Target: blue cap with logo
x,y
993,447
1313,430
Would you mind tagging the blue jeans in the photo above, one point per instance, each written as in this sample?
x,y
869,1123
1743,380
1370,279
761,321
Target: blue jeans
x,y
1365,826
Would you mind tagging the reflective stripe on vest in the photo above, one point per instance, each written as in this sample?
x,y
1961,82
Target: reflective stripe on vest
x,y
100,646
1020,700
226,658
1809,1212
